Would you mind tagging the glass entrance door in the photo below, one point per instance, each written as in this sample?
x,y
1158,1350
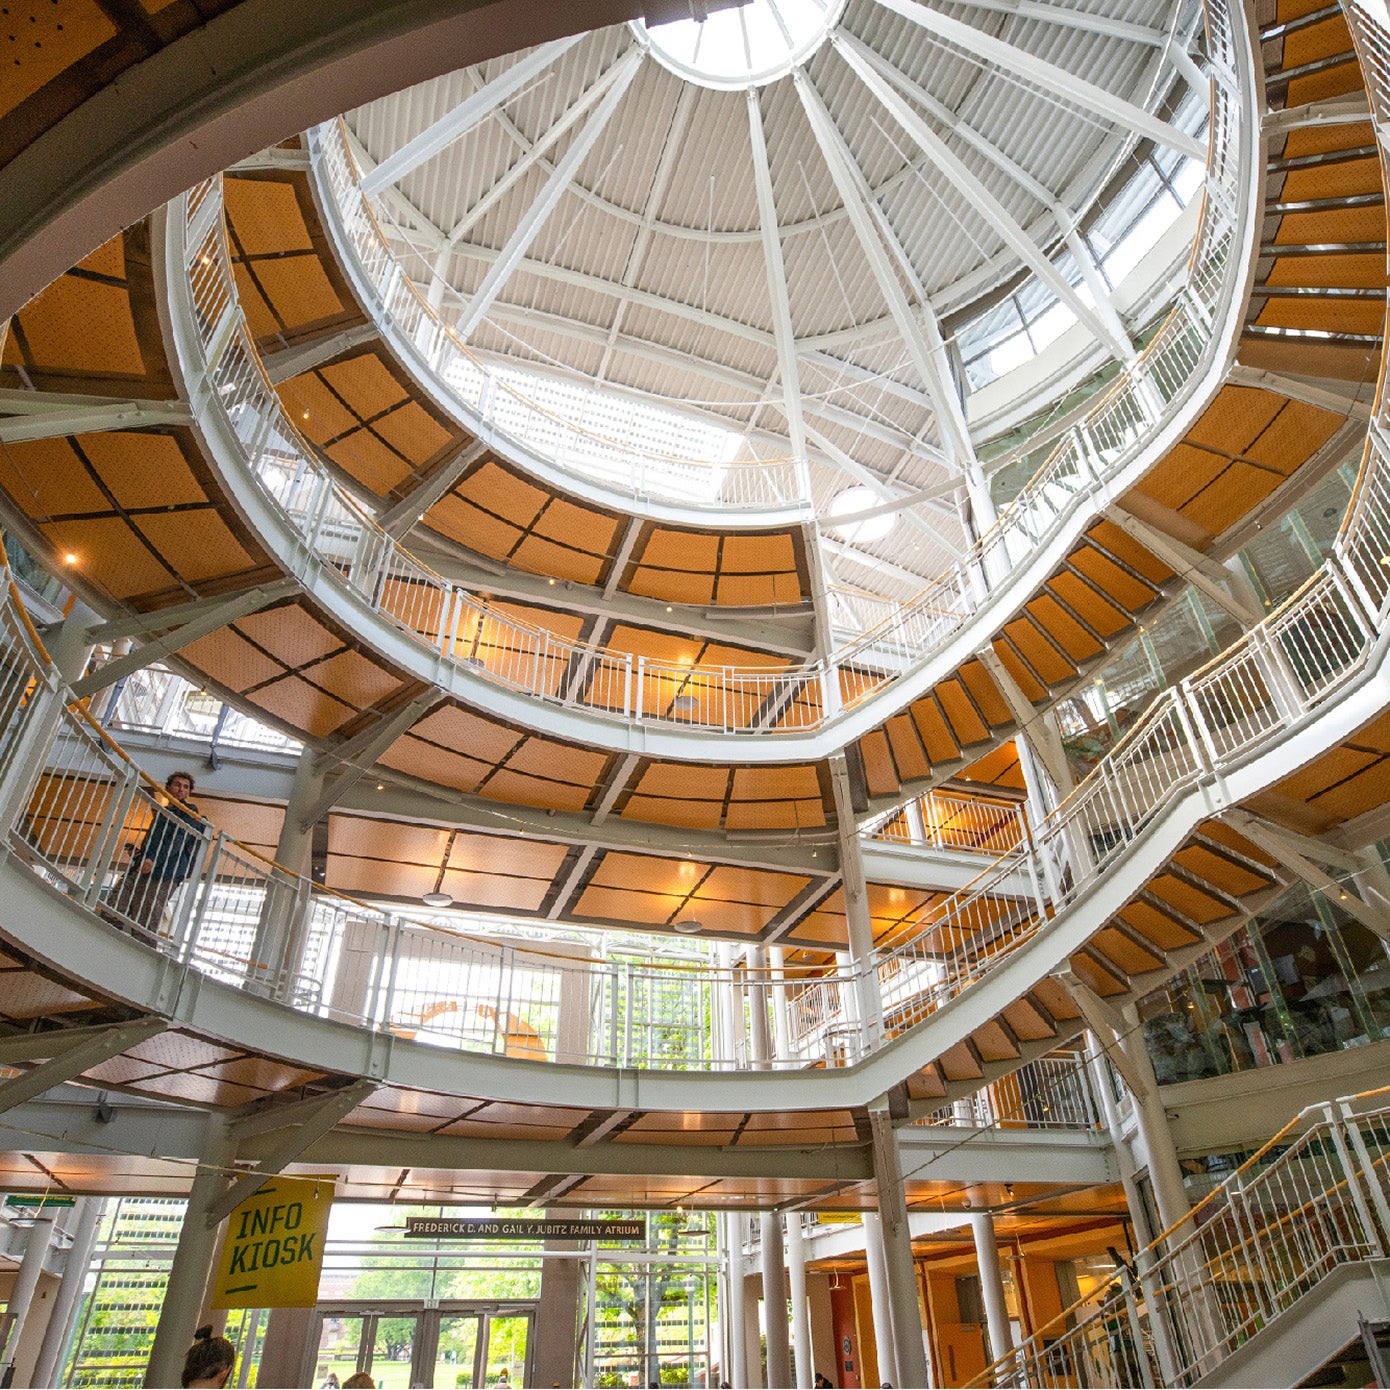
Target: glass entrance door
x,y
463,1346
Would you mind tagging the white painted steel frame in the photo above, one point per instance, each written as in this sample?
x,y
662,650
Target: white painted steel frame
x,y
348,563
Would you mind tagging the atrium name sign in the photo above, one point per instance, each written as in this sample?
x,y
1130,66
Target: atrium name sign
x,y
470,1228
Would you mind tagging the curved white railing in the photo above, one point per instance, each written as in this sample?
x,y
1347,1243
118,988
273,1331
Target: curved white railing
x,y
71,801
756,701
772,489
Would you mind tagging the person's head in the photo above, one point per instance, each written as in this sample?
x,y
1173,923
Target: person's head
x,y
180,785
209,1361
359,1380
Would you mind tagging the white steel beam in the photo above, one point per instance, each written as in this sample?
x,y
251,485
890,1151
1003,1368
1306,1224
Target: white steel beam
x,y
776,278
290,362
1201,571
314,1118
1057,81
656,195
528,161
69,1057
44,417
1000,220
399,518
855,194
1061,214
227,610
563,174
464,116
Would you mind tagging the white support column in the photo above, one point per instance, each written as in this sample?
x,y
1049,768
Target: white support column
x,y
192,1265
735,1364
775,1324
68,643
858,926
752,1358
796,1244
801,1314
26,1283
880,1301
1001,1340
909,1349
1121,1034
63,1316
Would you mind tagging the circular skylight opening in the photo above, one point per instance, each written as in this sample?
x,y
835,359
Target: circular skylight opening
x,y
745,46
851,503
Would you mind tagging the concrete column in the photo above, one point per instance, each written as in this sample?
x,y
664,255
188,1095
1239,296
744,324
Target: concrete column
x,y
291,1337
1001,1340
27,1281
63,1317
557,1317
908,1347
776,1329
801,1316
880,1301
192,1266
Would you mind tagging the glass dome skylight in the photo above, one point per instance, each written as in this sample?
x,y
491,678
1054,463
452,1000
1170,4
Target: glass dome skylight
x,y
745,46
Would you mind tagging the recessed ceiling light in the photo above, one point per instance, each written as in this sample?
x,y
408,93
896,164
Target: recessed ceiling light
x,y
687,926
69,558
437,899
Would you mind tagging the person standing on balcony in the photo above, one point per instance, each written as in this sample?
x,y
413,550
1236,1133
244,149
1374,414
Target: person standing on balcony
x,y
165,858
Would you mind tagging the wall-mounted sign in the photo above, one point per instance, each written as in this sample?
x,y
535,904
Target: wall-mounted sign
x,y
504,1228
273,1253
18,1199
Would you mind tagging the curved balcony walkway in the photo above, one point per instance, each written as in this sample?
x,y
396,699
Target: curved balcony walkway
x,y
436,630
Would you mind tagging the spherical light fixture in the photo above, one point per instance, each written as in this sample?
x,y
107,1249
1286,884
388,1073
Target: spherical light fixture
x,y
849,504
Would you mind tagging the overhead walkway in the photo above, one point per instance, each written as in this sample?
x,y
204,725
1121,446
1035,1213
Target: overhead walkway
x,y
1261,1284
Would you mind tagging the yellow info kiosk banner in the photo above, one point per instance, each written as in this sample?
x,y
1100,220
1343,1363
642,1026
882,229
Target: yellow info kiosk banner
x,y
273,1254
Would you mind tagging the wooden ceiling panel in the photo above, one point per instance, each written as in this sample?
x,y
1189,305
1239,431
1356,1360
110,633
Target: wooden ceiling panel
x,y
303,706
452,727
143,469
299,291
199,546
672,586
78,326
392,840
501,492
678,811
761,887
626,905
540,792
515,858
537,555
47,478
366,383
355,680
1235,419
108,552
431,763
264,216
231,660
290,634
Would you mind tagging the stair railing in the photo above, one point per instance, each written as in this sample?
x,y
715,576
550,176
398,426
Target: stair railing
x,y
1316,1197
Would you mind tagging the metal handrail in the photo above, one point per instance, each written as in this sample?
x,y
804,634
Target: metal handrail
x,y
741,700
1313,1199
